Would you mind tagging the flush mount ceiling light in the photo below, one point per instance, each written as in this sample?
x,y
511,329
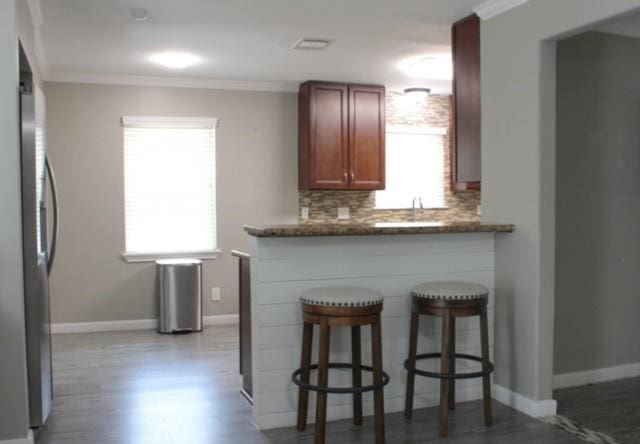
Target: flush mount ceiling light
x,y
413,99
312,44
430,68
421,91
175,60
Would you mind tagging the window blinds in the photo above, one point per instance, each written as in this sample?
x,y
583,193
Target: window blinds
x,y
170,185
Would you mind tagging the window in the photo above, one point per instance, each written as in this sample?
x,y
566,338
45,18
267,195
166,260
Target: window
x,y
170,187
414,168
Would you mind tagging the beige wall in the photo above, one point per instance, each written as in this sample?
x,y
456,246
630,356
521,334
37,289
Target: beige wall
x,y
256,179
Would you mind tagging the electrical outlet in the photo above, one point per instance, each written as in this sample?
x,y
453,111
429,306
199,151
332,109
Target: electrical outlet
x,y
215,294
479,210
343,213
304,213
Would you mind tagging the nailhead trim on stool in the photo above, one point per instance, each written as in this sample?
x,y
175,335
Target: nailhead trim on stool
x,y
342,297
450,291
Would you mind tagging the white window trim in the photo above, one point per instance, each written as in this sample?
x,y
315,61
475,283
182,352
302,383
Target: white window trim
x,y
443,207
152,257
176,122
411,129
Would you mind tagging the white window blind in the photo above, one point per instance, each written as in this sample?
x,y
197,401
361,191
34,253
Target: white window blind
x,y
170,186
414,168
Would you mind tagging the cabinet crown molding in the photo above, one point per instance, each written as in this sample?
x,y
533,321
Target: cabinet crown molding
x,y
496,7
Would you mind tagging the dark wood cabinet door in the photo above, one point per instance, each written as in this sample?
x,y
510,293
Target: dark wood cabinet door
x,y
328,139
466,115
366,137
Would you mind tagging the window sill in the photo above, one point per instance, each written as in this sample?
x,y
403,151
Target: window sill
x,y
410,208
152,257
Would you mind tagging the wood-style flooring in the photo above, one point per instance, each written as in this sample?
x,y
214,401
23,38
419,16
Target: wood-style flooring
x,y
141,387
612,408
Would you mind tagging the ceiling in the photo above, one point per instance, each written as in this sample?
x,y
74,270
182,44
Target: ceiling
x,y
627,25
250,40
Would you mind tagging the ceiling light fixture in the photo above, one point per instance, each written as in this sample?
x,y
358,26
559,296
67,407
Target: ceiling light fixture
x,y
430,68
175,60
313,44
413,99
425,91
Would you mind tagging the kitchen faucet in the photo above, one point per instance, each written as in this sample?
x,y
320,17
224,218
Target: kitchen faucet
x,y
413,207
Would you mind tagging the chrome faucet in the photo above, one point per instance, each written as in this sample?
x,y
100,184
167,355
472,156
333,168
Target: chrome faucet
x,y
413,207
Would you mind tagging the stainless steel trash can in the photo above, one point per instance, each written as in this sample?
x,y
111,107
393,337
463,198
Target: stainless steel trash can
x,y
179,295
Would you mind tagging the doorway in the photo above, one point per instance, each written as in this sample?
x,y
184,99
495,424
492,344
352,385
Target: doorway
x,y
597,303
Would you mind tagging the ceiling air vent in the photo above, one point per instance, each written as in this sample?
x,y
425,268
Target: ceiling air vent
x,y
314,44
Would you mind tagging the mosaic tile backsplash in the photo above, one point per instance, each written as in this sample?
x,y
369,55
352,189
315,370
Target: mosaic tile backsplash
x,y
460,206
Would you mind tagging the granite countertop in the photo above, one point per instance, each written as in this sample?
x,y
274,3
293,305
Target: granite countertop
x,y
381,228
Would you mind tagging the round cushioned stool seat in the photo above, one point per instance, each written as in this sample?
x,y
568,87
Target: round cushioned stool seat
x,y
450,291
342,297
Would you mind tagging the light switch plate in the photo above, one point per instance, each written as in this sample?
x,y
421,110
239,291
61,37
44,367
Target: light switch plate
x,y
343,213
304,213
215,294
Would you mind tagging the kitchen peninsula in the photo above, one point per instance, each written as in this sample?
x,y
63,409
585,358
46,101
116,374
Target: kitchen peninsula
x,y
389,257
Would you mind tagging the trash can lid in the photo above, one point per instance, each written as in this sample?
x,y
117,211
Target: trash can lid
x,y
178,262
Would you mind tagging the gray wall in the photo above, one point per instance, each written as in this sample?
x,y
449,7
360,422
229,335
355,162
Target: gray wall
x,y
14,419
256,181
518,157
597,203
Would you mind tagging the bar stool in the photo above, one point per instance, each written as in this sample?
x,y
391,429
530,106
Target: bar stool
x,y
345,307
449,300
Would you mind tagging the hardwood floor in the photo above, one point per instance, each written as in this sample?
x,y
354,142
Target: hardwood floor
x,y
142,387
612,408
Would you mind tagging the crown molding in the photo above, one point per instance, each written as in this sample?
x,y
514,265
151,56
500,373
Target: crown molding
x,y
41,58
496,7
171,82
37,19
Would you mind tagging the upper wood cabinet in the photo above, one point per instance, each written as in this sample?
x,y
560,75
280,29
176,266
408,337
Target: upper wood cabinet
x,y
341,136
466,113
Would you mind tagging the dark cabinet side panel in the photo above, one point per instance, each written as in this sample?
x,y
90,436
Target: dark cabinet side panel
x,y
367,137
466,146
245,322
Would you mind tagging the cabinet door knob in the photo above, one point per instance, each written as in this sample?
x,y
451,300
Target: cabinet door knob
x,y
353,176
345,176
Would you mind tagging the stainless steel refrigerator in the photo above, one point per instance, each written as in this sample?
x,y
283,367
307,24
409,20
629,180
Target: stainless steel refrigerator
x,y
38,253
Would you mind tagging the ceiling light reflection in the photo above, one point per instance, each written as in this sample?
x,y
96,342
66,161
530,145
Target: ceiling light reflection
x,y
175,60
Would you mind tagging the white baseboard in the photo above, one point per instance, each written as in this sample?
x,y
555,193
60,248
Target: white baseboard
x,y
27,440
530,407
133,324
345,411
576,379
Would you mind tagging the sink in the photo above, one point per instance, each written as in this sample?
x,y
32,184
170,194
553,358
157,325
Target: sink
x,y
408,224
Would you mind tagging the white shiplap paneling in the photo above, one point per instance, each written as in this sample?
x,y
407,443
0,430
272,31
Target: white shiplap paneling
x,y
282,268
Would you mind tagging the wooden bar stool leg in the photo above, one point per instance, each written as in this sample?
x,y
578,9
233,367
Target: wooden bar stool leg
x,y
413,350
305,364
356,360
452,366
486,380
323,380
444,368
378,395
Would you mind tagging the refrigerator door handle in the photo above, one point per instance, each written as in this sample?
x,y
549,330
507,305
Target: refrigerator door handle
x,y
56,217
